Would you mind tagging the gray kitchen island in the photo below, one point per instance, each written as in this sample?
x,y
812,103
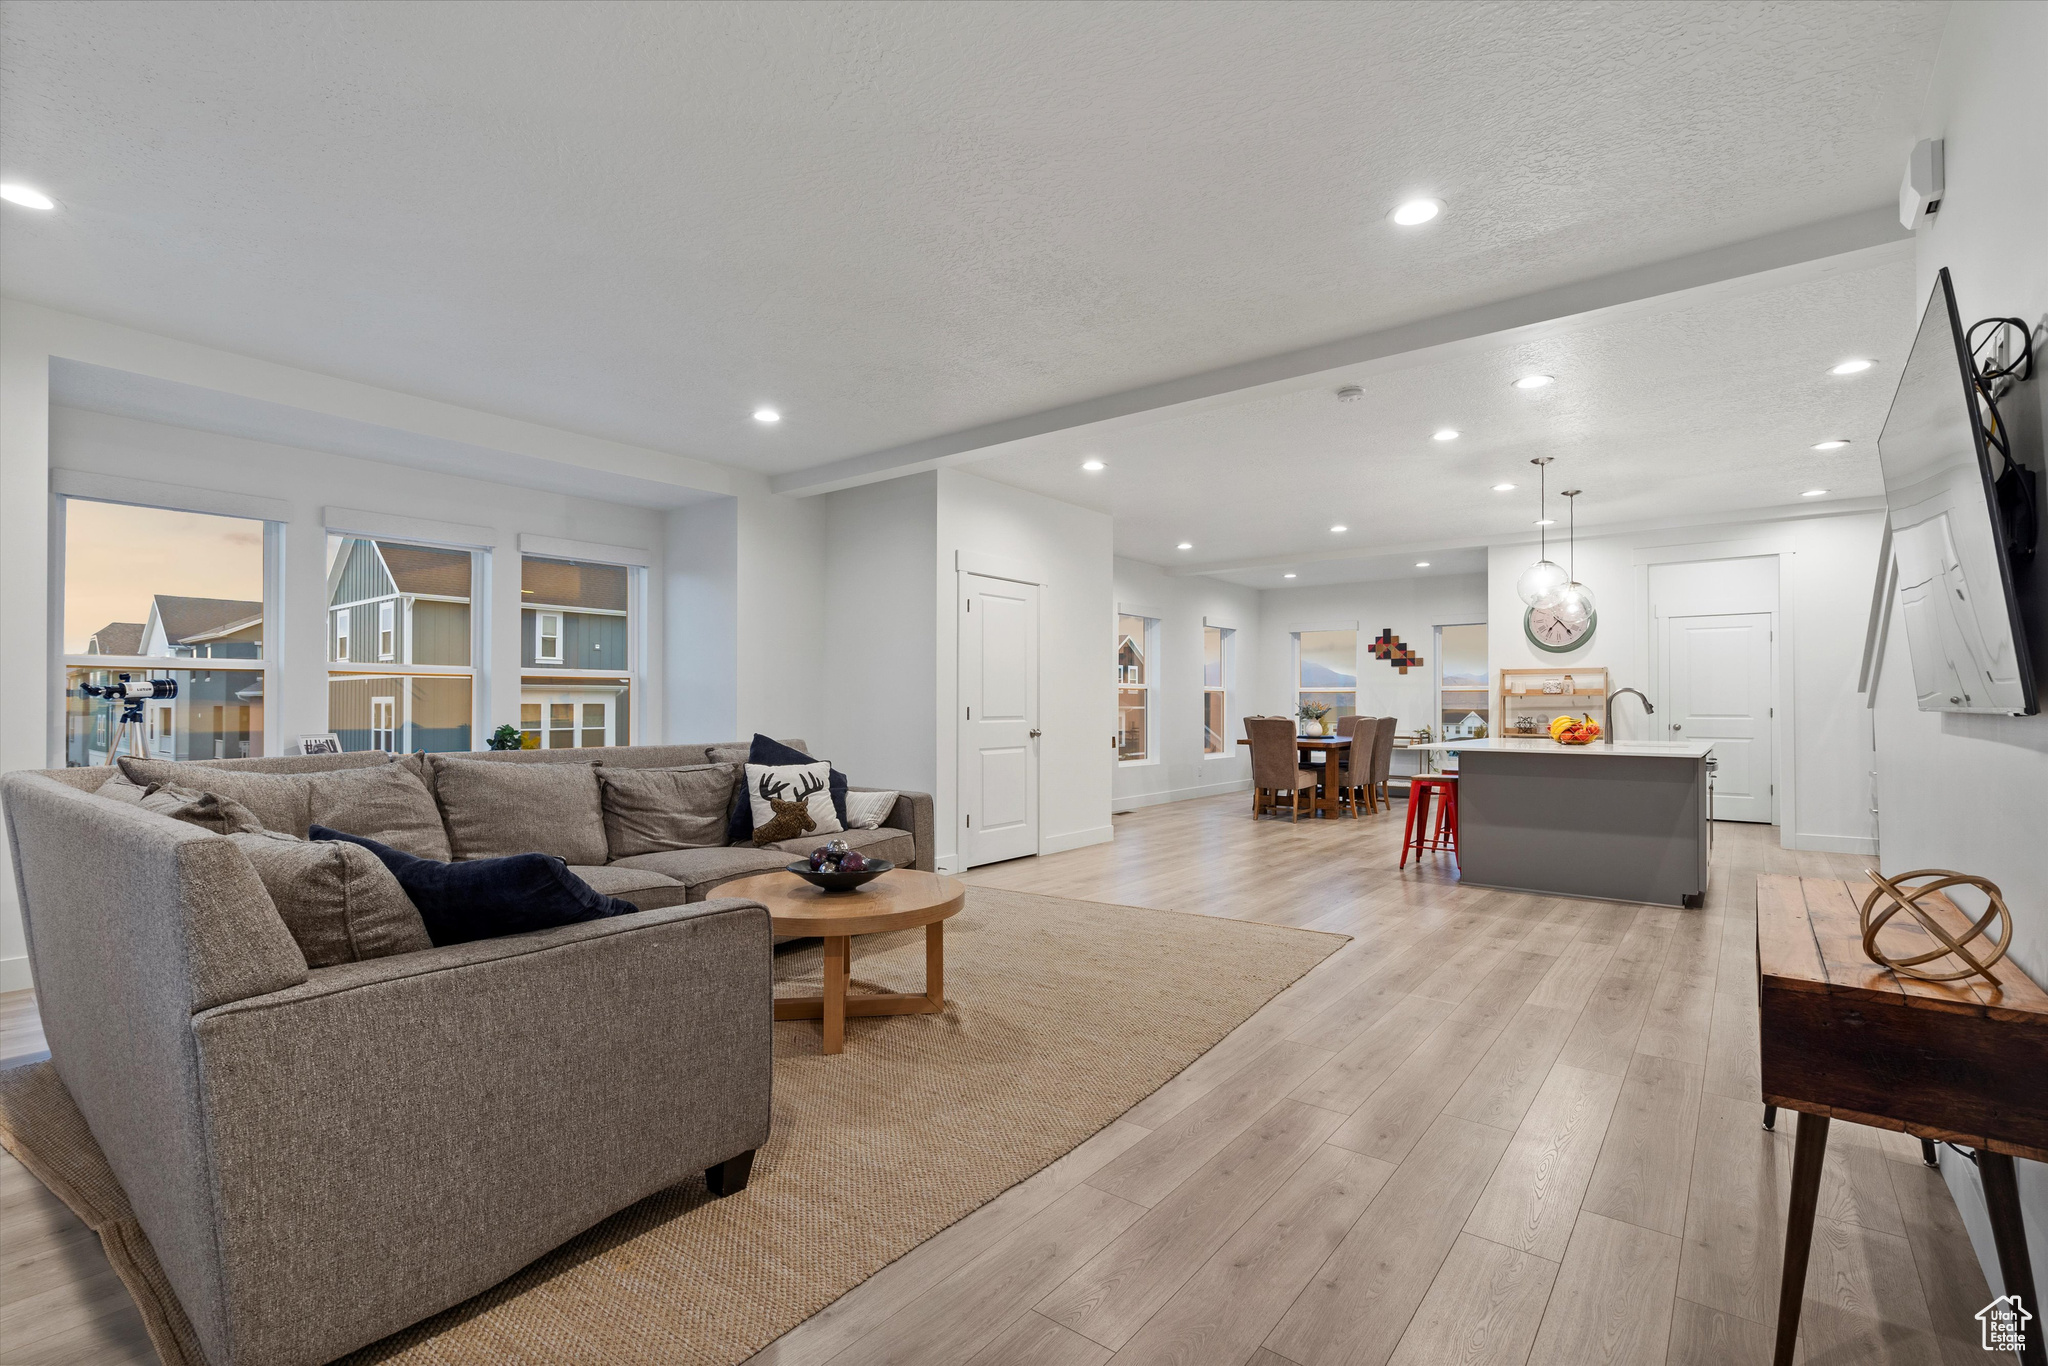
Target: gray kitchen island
x,y
1620,822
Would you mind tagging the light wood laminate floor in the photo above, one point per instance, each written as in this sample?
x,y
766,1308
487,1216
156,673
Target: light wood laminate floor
x,y
1494,1128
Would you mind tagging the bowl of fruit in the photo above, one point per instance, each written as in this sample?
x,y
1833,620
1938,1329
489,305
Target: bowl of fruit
x,y
1574,730
836,868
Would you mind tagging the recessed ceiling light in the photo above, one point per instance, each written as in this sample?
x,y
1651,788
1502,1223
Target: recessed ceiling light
x,y
1422,564
1852,367
1287,576
29,198
1813,493
1447,434
1185,545
1417,211
767,416
1502,488
1829,445
1092,466
1339,529
1535,381
1546,521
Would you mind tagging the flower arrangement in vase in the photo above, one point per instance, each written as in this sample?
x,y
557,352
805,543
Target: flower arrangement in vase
x,y
1311,715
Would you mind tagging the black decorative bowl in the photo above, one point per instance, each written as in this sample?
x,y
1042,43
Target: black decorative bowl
x,y
834,881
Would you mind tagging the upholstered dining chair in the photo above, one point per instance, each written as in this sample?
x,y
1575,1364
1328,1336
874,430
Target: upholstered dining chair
x,y
1274,766
1382,761
1343,769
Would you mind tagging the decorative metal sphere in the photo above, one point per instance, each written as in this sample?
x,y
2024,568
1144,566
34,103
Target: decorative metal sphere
x,y
1540,580
1953,932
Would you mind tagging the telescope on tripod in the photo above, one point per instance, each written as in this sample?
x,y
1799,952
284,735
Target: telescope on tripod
x,y
130,694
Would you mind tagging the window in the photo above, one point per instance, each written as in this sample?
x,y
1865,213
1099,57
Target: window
x,y
1217,643
577,645
1326,672
1137,643
179,596
1463,697
417,689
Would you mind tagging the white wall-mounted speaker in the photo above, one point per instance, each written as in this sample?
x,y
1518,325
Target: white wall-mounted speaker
x,y
1920,191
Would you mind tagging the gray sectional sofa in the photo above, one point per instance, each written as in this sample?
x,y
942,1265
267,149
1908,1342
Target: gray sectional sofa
x,y
321,1156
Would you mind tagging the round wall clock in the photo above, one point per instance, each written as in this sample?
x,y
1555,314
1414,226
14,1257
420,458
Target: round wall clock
x,y
1548,631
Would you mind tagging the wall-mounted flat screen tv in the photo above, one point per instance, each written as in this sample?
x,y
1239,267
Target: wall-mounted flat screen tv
x,y
1956,589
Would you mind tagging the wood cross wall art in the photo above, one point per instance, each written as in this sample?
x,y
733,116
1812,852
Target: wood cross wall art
x,y
1386,645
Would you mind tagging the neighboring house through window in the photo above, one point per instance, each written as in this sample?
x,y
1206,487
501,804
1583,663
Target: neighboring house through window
x,y
1137,645
576,642
399,675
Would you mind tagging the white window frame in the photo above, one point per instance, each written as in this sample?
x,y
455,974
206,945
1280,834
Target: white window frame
x,y
388,706
267,665
541,634
387,630
550,667
1227,661
338,648
1356,672
1150,687
477,671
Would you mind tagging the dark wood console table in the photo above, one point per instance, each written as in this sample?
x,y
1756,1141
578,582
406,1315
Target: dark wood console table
x,y
1959,1063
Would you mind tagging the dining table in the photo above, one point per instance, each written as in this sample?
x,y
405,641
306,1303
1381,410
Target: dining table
x,y
1327,797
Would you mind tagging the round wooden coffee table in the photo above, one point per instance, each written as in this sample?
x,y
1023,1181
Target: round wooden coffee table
x,y
900,899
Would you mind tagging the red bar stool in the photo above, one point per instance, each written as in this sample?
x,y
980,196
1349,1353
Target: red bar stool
x,y
1418,837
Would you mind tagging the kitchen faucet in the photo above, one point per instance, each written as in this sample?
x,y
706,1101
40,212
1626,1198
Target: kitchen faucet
x,y
1648,710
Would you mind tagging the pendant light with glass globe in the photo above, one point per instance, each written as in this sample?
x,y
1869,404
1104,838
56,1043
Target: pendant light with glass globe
x,y
1545,577
1573,603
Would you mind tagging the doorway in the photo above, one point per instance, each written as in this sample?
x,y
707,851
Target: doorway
x,y
1714,655
999,719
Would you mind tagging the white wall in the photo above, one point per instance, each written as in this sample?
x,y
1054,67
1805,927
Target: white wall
x,y
784,644
1412,608
1177,768
1822,741
1072,547
881,638
1971,792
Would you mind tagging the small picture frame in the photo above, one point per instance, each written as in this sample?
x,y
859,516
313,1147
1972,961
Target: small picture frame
x,y
329,743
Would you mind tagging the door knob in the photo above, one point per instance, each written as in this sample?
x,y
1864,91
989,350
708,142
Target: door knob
x,y
1035,734
1676,726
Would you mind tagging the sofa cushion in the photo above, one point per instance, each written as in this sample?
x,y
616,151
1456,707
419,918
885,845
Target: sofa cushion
x,y
897,846
385,801
498,810
208,810
769,752
118,788
790,800
648,810
338,899
491,897
700,870
645,888
279,800
867,808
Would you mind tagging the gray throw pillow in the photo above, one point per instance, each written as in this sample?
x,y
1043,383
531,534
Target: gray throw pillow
x,y
277,799
118,788
495,810
338,900
389,805
654,810
208,810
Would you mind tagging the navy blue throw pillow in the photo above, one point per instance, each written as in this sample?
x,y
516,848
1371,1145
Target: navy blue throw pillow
x,y
489,898
740,829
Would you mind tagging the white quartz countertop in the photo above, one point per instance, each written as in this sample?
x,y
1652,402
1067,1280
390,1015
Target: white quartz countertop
x,y
1640,749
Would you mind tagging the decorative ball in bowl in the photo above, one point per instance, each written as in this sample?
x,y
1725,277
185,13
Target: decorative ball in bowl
x,y
836,868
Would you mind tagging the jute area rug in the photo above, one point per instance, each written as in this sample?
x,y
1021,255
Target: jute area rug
x,y
1061,1015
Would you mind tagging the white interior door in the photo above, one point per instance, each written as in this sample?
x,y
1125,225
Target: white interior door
x,y
999,719
1717,669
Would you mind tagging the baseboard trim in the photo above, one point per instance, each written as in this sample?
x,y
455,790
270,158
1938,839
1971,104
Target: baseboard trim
x,y
1835,844
14,974
1181,794
1076,839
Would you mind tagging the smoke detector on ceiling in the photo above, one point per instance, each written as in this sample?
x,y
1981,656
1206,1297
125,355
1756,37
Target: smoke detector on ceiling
x,y
1350,393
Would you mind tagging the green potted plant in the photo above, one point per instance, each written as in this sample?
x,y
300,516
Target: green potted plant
x,y
505,737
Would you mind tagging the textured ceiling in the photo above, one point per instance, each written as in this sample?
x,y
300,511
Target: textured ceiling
x,y
1692,404
894,221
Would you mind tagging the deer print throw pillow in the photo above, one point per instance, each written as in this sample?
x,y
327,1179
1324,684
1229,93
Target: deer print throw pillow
x,y
781,795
